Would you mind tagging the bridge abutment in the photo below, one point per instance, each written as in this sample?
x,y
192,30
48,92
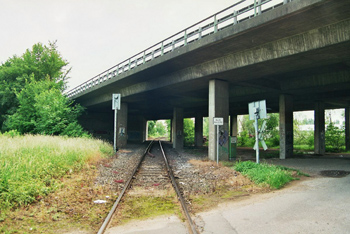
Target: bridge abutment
x,y
218,107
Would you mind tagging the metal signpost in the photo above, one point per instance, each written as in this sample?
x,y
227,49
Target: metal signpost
x,y
218,122
115,106
257,110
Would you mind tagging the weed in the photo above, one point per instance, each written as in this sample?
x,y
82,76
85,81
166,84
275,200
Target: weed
x,y
31,166
142,207
264,174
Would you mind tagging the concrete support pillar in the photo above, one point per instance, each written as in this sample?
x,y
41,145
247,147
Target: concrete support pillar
x,y
286,126
218,107
171,131
319,134
198,130
234,126
177,131
122,125
347,128
146,136
144,129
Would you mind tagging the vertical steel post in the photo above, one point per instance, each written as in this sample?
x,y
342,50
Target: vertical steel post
x,y
234,17
257,137
217,144
162,49
215,24
115,131
254,7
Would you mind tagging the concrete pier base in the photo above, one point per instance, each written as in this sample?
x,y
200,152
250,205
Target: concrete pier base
x,y
286,126
177,128
218,107
347,128
122,125
233,125
319,135
198,131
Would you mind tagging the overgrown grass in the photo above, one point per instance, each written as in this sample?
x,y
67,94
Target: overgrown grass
x,y
31,166
274,176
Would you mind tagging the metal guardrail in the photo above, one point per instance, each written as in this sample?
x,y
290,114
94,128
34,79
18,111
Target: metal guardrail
x,y
238,12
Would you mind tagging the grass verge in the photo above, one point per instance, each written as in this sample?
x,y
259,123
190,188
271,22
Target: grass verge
x,y
33,167
264,174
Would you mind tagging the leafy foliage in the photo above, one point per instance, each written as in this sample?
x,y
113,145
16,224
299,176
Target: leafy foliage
x,y
44,110
335,138
274,176
31,98
271,133
41,62
188,132
157,128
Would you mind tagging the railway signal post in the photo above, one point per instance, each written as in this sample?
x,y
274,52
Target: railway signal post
x,y
115,106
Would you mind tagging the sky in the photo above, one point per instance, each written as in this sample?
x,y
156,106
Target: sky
x,y
94,35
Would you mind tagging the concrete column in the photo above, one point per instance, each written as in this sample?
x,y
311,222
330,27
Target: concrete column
x,y
178,123
171,131
286,126
146,136
319,134
198,130
234,126
347,128
122,125
218,107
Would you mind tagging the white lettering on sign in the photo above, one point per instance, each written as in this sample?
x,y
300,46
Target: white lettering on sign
x,y
218,121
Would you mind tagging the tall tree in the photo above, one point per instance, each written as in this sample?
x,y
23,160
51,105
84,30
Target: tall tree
x,y
40,63
44,110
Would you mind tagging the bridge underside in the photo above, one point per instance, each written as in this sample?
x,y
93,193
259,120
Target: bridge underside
x,y
300,50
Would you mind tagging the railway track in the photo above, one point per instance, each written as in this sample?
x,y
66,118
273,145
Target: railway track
x,y
152,169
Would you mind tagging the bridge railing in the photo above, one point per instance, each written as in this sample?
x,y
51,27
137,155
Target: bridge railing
x,y
238,12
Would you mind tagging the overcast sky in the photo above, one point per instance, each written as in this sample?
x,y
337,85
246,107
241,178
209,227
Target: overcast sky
x,y
94,35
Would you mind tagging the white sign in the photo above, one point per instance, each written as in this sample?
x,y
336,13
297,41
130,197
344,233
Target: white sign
x,y
116,101
218,121
257,109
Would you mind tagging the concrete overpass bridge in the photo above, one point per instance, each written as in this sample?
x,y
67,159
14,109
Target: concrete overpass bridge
x,y
295,54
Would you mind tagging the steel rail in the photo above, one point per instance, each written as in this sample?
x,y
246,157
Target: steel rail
x,y
116,203
179,195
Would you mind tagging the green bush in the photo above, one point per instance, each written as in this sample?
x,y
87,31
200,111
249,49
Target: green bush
x,y
335,138
188,132
44,110
274,176
40,62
